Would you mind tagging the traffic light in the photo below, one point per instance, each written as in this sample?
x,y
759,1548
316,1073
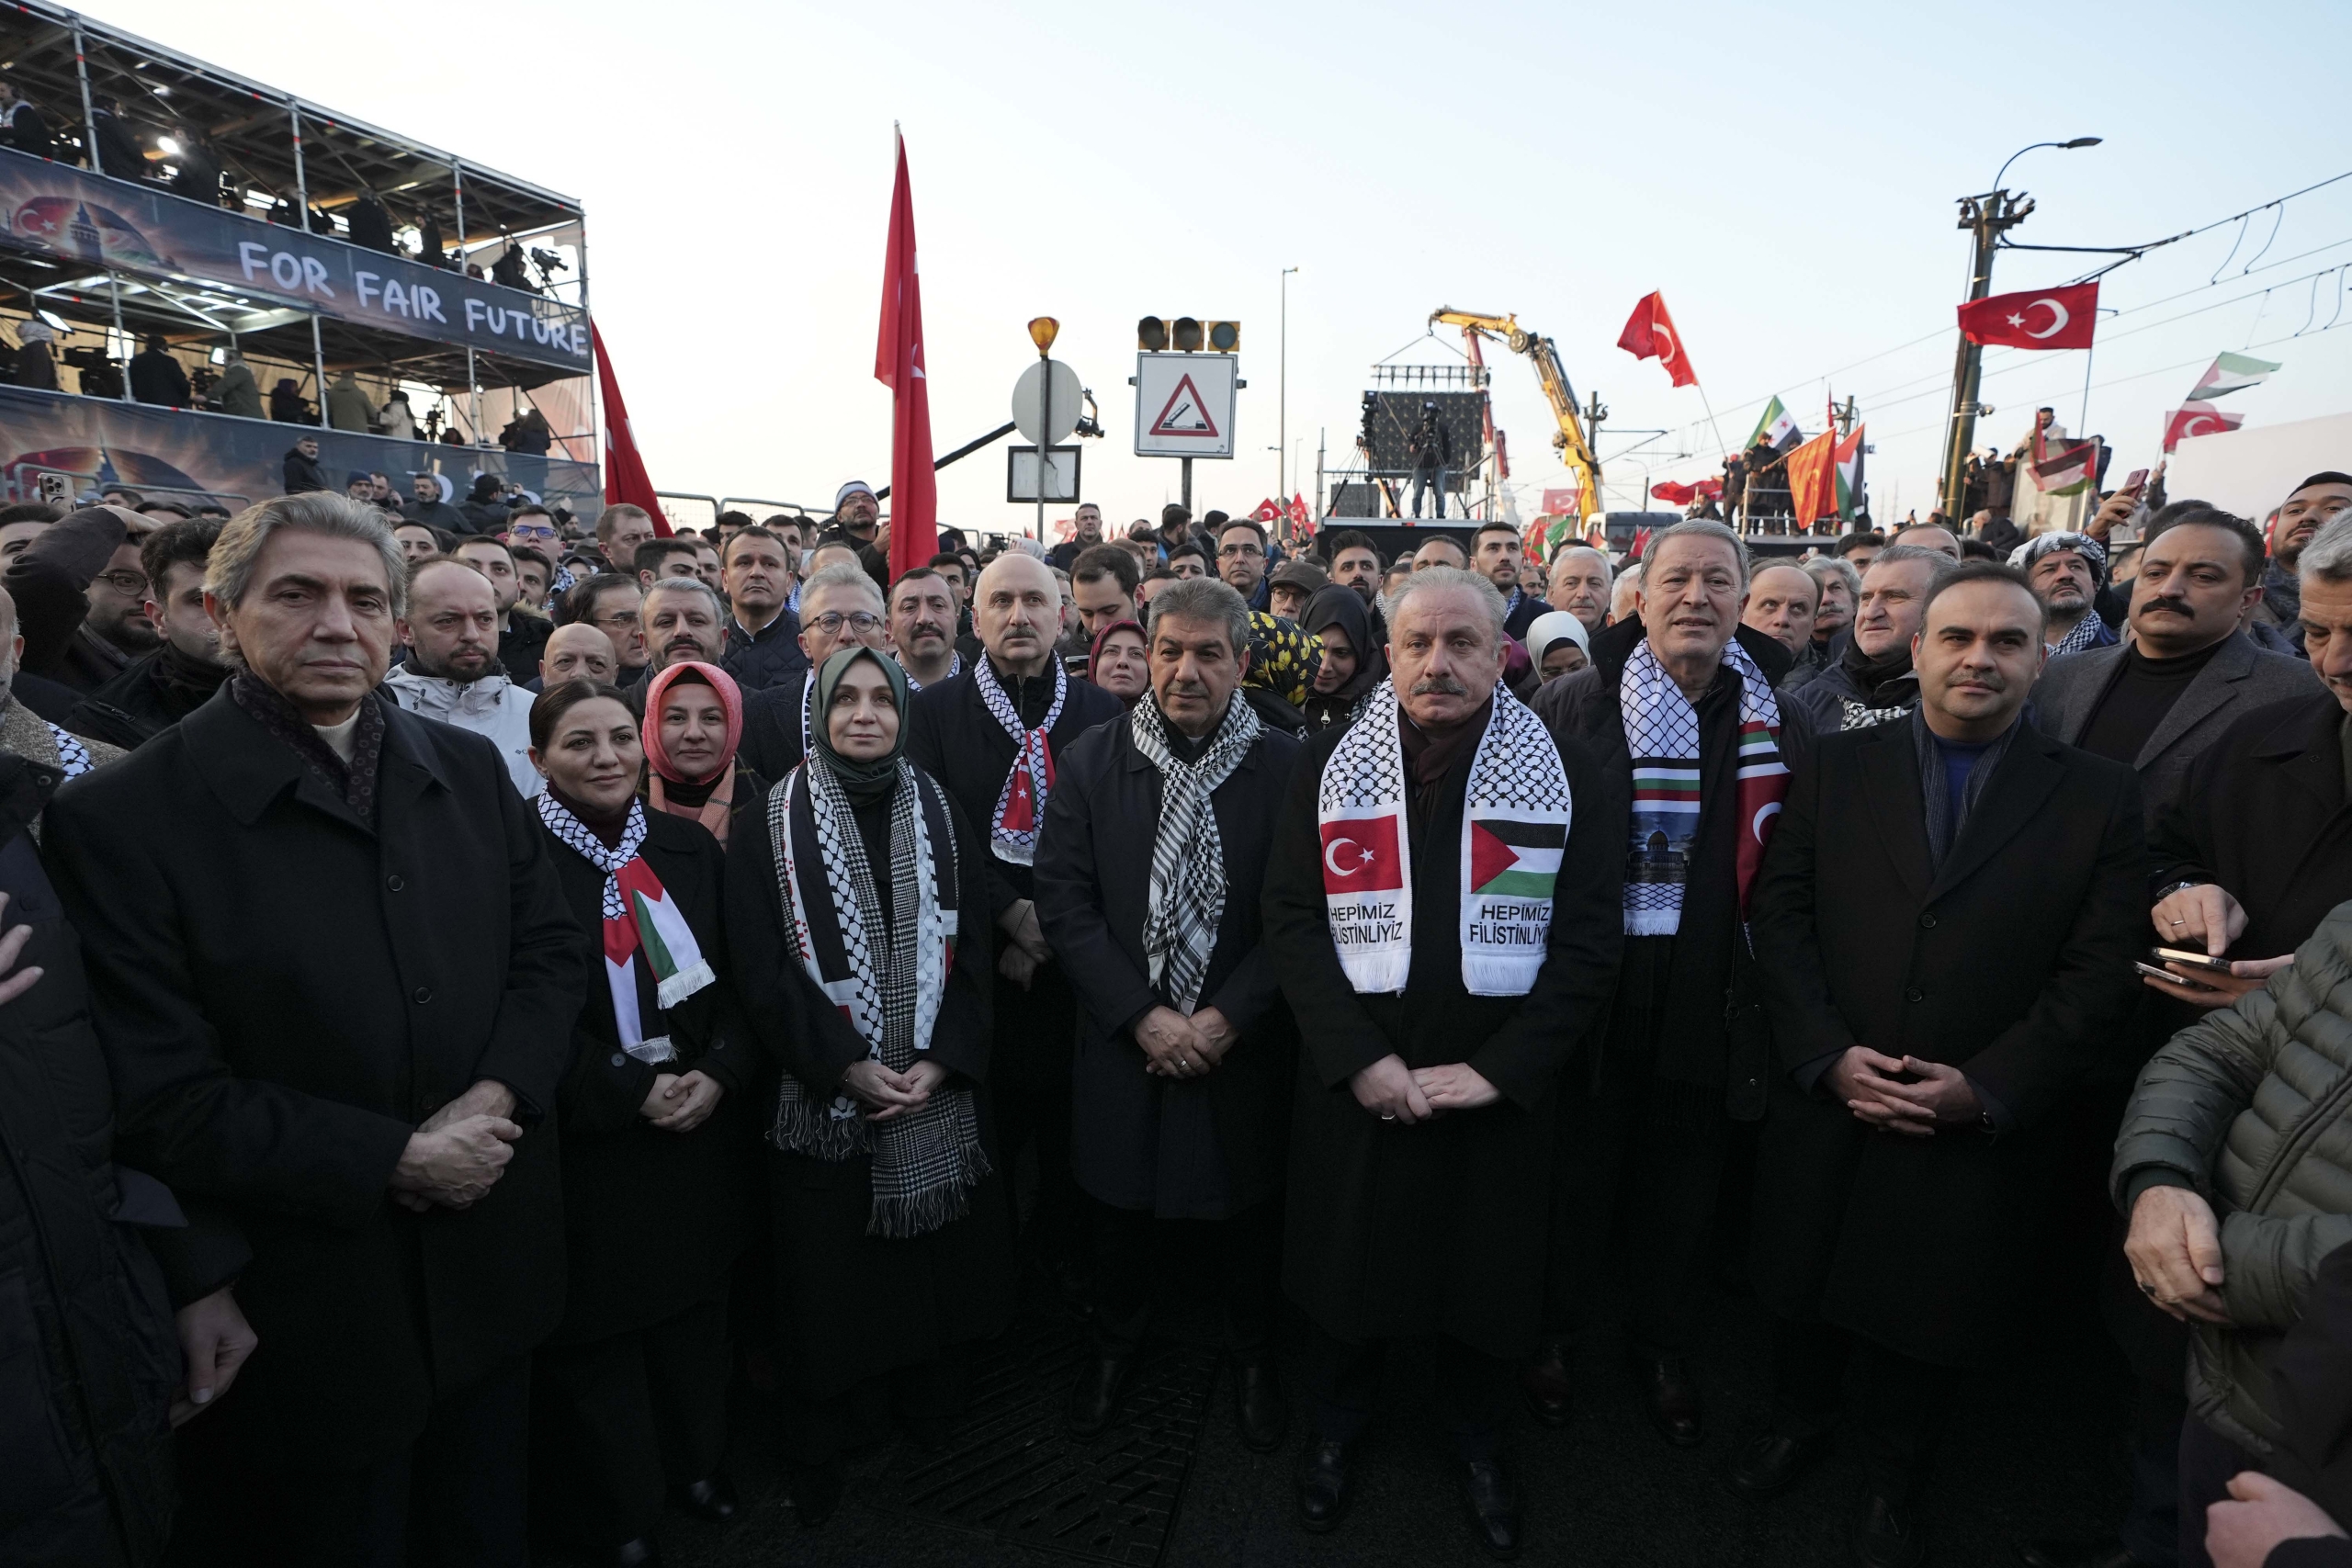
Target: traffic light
x,y
1187,334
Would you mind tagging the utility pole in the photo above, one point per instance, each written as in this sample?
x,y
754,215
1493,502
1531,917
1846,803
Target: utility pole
x,y
1282,419
1987,218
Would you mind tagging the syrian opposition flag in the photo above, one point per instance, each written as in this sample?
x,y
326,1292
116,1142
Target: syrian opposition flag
x,y
1515,860
1849,473
2046,317
2229,373
1774,426
1650,333
2198,419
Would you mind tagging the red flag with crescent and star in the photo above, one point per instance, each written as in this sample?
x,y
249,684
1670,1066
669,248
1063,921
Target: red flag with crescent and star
x,y
625,475
2197,419
2038,318
1650,333
1360,855
898,364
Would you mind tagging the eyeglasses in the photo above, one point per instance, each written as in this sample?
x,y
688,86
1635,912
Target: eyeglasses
x,y
625,618
860,621
531,531
125,580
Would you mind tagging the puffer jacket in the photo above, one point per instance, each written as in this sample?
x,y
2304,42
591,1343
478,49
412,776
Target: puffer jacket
x,y
2252,1107
493,706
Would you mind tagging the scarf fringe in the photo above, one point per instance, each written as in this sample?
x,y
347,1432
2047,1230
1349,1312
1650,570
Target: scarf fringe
x,y
684,984
934,1207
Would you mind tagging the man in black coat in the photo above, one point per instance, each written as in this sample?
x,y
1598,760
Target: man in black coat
x,y
1672,695
1946,924
2188,671
302,472
1499,553
991,737
157,376
1185,1045
1442,907
179,677
1871,682
763,633
335,978
98,1380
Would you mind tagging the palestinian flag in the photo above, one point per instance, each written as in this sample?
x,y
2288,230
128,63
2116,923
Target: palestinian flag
x,y
654,926
1515,860
1775,426
2230,373
2066,471
1849,474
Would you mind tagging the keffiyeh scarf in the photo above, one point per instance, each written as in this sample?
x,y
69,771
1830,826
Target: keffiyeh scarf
x,y
1514,827
1662,734
2090,632
1187,850
886,976
641,921
1021,806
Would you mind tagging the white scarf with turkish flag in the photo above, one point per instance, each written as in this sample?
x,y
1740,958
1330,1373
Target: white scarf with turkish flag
x,y
1021,806
1515,819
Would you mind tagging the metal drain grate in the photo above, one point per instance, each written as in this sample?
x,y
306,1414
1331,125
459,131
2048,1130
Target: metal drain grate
x,y
1010,1470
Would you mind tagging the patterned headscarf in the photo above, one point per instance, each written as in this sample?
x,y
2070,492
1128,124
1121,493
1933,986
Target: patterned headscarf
x,y
1282,660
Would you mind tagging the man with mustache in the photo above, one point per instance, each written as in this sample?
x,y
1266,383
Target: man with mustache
x,y
1679,711
684,620
923,627
1937,984
2189,672
1440,905
2067,571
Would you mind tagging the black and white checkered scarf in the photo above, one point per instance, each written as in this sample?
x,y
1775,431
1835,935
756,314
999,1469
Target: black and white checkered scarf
x,y
886,977
1187,850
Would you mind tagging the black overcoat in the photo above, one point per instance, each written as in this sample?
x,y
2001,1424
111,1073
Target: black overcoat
x,y
284,995
1395,1231
957,740
2263,814
1201,1149
2011,961
853,1306
652,1220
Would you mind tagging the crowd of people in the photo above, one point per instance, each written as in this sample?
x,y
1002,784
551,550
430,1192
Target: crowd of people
x,y
480,995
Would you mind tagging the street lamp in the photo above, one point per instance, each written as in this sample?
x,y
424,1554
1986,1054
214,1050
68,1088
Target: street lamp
x,y
1987,217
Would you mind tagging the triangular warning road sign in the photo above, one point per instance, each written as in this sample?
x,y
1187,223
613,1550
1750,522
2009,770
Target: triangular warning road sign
x,y
1185,414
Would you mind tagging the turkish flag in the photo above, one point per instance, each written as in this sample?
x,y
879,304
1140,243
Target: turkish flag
x,y
1650,334
2039,318
1360,855
2197,419
625,475
898,364
1678,495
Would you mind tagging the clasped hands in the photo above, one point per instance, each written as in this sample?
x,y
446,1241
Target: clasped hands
x,y
888,1095
1395,1092
1175,1046
680,1102
1024,949
1865,1081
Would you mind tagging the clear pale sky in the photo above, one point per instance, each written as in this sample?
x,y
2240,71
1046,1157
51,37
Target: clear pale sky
x,y
1786,178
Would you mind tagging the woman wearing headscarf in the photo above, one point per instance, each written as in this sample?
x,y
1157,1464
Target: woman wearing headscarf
x,y
1121,663
653,1141
1353,660
694,722
857,919
1282,662
1558,644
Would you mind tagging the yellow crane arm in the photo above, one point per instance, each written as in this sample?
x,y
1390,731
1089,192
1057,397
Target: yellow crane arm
x,y
1569,440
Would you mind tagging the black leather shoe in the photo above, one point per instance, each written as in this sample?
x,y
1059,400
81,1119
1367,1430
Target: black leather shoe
x,y
1772,1463
2107,1553
1887,1537
1671,1398
816,1493
1094,1398
638,1553
1258,1407
1492,1506
1545,1381
711,1498
1322,1484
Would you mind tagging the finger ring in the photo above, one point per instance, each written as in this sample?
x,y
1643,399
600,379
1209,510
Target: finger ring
x,y
2150,1290
2179,922
1388,1118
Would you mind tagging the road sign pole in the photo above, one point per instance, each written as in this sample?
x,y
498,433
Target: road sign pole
x,y
1188,484
1044,448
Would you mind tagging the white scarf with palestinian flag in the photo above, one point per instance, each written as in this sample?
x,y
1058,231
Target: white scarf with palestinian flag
x,y
641,921
1514,827
1021,806
1663,737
